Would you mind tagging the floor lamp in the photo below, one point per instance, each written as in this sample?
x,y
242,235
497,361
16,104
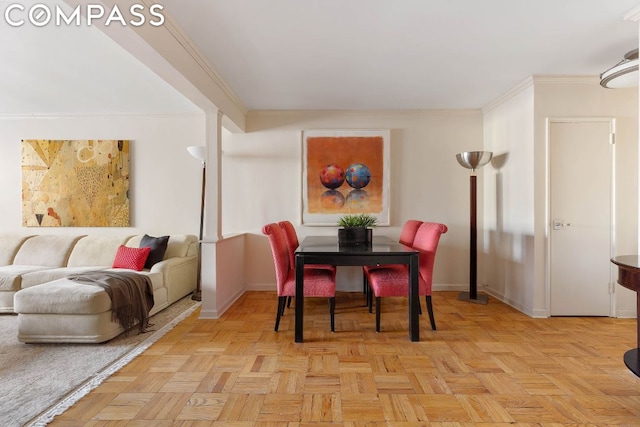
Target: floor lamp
x,y
199,152
473,160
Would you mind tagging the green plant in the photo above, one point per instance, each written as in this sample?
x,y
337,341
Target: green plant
x,y
357,220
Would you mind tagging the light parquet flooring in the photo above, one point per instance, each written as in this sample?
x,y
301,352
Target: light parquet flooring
x,y
486,365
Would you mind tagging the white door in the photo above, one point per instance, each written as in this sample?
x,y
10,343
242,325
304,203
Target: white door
x,y
581,163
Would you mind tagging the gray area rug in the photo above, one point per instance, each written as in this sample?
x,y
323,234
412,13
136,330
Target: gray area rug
x,y
38,381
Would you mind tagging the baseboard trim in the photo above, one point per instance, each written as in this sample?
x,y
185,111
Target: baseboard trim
x,y
208,314
219,311
626,314
450,287
534,313
262,287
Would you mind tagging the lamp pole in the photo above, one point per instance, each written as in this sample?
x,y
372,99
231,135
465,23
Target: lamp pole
x,y
473,241
199,153
473,160
197,294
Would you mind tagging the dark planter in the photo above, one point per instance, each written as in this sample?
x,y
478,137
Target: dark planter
x,y
355,236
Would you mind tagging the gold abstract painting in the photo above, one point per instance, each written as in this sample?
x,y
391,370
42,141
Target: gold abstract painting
x,y
75,183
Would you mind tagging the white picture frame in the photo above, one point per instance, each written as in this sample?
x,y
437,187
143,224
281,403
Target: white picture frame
x,y
356,154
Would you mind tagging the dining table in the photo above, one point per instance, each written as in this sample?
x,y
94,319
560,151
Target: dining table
x,y
629,277
381,250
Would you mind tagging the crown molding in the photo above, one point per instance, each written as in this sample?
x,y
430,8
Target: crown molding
x,y
115,115
633,14
519,88
566,79
532,80
187,44
434,112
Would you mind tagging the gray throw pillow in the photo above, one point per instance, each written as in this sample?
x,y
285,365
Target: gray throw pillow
x,y
158,247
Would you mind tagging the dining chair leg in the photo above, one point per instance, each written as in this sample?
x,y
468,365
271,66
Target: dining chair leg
x,y
366,289
365,285
281,304
378,314
430,310
370,301
332,311
288,302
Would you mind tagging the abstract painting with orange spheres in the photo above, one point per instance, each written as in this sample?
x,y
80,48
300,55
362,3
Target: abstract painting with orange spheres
x,y
345,172
75,183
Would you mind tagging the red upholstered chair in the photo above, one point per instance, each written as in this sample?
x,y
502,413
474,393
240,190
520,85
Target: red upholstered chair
x,y
409,230
292,243
317,282
394,280
407,234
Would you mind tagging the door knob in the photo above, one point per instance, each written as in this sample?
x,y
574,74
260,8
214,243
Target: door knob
x,y
558,224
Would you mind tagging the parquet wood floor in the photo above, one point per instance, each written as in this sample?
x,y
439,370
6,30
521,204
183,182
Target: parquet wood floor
x,y
486,365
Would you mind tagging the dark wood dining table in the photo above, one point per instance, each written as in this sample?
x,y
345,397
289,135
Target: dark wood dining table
x,y
629,277
383,250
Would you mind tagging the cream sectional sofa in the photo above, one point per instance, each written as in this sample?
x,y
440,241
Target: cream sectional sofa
x,y
51,308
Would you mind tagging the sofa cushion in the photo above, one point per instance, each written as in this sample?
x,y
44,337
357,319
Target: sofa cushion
x,y
131,258
62,296
158,247
45,250
95,251
179,245
33,278
9,245
11,276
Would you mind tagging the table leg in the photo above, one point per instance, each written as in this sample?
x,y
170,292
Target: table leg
x,y
632,360
299,303
638,319
632,357
414,299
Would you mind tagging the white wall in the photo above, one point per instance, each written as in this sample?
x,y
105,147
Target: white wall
x,y
262,182
557,98
165,179
224,271
516,192
509,200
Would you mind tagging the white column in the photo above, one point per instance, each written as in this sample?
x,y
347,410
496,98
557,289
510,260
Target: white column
x,y
213,208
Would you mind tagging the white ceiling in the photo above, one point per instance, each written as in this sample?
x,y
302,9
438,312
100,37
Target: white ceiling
x,y
74,70
323,54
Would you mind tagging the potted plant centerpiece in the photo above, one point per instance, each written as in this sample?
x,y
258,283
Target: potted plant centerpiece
x,y
356,229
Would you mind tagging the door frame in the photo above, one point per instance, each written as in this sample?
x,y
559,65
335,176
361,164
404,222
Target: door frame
x,y
612,201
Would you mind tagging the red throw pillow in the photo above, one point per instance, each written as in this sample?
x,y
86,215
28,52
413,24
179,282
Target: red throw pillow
x,y
131,258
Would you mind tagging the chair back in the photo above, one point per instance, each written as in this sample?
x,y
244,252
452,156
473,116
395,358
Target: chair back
x,y
280,252
292,240
426,241
409,230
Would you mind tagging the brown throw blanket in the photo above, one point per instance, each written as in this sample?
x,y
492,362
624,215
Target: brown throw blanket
x,y
131,295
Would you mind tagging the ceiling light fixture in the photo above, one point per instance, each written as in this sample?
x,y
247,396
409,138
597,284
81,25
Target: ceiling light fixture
x,y
623,74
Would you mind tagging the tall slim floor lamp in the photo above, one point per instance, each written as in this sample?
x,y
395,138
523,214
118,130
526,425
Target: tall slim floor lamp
x,y
199,152
473,160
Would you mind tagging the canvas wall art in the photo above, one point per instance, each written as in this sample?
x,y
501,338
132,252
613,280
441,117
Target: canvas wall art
x,y
75,183
345,172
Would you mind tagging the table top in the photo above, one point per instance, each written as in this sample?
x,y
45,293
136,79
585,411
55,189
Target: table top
x,y
329,245
383,250
630,261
